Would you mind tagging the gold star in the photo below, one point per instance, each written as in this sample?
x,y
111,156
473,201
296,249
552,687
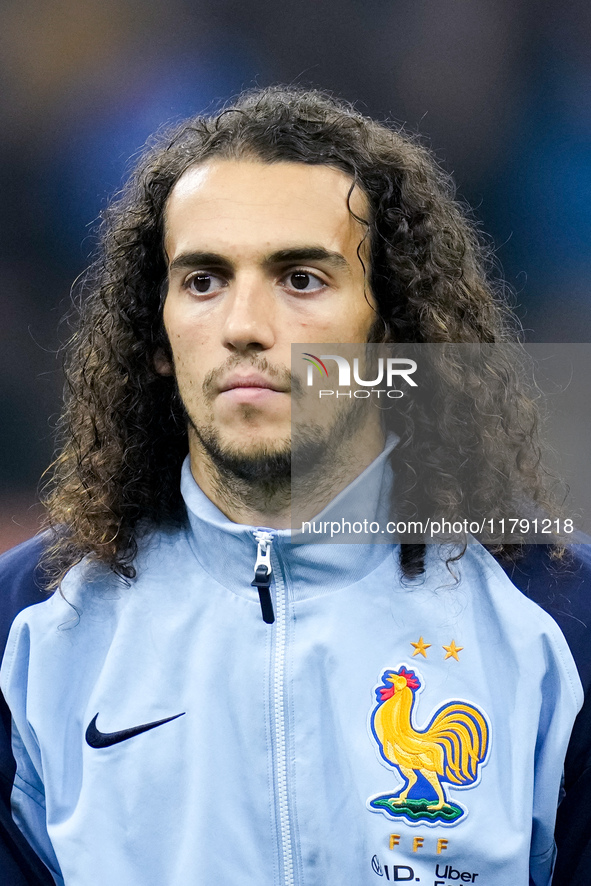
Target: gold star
x,y
452,650
421,647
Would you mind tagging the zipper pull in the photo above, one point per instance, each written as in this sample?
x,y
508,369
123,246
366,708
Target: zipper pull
x,y
262,573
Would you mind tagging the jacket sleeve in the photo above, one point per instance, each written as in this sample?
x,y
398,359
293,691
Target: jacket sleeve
x,y
563,589
19,587
573,823
28,806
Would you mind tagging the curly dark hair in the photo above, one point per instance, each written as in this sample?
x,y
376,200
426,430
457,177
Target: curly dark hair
x,y
123,429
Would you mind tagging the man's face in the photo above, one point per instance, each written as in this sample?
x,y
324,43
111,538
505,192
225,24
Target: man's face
x,y
260,256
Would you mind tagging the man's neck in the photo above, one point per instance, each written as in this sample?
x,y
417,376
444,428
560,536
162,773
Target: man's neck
x,y
266,504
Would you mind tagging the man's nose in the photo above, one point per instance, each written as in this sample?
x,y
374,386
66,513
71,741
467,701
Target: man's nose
x,y
249,321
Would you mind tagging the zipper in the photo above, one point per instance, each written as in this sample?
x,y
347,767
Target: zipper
x,y
264,562
280,729
263,571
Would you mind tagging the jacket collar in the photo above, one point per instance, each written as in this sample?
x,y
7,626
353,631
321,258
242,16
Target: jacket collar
x,y
227,550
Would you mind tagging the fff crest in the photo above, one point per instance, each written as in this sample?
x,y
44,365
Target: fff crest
x,y
446,753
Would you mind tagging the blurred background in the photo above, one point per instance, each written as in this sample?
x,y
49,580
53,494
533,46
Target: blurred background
x,y
500,90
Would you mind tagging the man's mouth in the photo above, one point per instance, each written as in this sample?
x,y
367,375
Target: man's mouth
x,y
250,387
251,381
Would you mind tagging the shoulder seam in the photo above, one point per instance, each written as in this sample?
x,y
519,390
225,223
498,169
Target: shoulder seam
x,y
549,622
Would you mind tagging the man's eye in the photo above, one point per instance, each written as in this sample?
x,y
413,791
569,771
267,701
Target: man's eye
x,y
303,281
203,283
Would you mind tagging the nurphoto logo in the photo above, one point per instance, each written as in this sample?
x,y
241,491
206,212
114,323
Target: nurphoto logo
x,y
388,371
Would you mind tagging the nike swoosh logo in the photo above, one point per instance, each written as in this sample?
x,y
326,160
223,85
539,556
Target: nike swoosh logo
x,y
97,739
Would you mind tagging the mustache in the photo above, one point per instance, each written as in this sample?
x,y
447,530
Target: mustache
x,y
279,374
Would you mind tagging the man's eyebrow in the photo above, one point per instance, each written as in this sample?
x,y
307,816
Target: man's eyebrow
x,y
198,259
305,254
294,255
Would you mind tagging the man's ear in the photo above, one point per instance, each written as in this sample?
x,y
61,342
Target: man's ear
x,y
162,363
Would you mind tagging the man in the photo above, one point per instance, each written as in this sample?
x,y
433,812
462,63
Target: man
x,y
204,701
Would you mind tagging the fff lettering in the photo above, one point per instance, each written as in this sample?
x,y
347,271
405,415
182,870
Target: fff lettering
x,y
418,843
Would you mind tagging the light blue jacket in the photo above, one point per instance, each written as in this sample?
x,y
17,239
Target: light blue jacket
x,y
290,745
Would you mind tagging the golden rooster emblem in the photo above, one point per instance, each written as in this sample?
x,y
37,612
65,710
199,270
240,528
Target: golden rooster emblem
x,y
450,749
